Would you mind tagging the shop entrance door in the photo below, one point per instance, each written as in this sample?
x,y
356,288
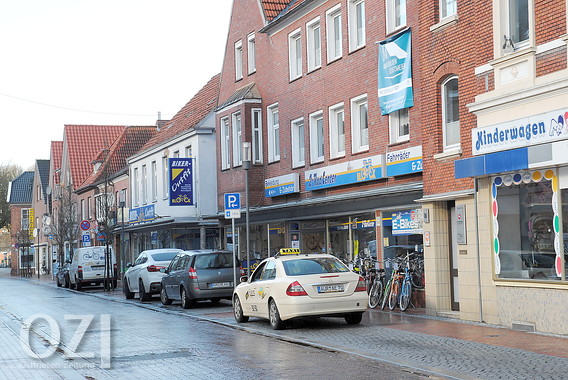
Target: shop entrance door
x,y
453,256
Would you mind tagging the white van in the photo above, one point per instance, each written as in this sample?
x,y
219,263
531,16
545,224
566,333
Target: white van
x,y
88,267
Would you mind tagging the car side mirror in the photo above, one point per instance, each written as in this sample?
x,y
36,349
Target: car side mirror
x,y
244,279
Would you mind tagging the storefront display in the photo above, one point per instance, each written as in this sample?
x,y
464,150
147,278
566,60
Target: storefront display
x,y
527,223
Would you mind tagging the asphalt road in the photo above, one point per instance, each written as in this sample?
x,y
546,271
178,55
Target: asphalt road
x,y
75,335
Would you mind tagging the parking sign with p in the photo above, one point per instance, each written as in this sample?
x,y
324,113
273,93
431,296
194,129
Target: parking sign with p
x,y
232,205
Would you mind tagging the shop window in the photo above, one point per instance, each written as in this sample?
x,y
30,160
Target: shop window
x,y
526,225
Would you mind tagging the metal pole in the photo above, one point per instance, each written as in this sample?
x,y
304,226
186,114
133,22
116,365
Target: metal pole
x,y
234,254
247,219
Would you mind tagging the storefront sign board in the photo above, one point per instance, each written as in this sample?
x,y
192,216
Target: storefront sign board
x,y
346,173
532,130
404,161
407,222
282,185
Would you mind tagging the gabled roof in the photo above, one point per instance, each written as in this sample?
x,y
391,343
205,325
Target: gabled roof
x,y
249,91
190,115
21,189
277,8
56,155
83,143
272,8
113,159
43,170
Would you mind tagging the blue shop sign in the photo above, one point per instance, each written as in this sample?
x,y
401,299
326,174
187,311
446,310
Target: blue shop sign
x,y
142,214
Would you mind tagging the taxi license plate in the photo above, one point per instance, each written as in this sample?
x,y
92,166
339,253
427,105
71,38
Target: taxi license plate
x,y
330,288
220,285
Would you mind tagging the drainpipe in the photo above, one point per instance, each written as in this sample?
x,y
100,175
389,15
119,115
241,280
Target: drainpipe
x,y
475,188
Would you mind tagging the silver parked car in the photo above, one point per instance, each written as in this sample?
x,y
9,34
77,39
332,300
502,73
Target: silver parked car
x,y
199,275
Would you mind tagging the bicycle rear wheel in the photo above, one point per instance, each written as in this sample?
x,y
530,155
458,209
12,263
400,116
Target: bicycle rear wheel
x,y
405,294
375,293
385,296
393,296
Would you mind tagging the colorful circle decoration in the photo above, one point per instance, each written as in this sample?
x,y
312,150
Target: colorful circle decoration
x,y
517,178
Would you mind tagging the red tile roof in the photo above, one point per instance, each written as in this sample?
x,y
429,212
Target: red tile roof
x,y
114,158
190,115
83,143
272,8
55,159
275,8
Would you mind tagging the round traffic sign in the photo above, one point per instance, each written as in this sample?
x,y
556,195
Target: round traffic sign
x,y
85,225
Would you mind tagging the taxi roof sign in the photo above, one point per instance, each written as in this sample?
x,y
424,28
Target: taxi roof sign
x,y
289,251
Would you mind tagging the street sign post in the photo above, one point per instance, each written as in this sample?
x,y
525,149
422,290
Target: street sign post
x,y
233,211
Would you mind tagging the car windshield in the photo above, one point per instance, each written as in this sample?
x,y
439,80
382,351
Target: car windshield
x,y
213,260
317,265
164,256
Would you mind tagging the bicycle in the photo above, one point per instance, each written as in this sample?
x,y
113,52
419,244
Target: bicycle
x,y
401,290
377,287
44,269
417,269
388,286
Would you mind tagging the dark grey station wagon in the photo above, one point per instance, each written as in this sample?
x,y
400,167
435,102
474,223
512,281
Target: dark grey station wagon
x,y
195,275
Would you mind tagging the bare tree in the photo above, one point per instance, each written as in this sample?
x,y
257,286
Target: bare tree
x,y
7,173
66,223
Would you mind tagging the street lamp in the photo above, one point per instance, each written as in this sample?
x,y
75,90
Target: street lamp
x,y
247,158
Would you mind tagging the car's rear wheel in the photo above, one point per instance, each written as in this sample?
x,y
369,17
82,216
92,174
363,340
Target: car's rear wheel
x,y
126,290
238,310
67,282
164,297
78,285
58,282
274,316
186,302
353,318
142,291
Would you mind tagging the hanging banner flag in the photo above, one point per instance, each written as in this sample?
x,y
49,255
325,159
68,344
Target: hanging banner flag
x,y
395,73
181,182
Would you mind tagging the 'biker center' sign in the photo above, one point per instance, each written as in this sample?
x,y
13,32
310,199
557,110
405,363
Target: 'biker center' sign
x,y
181,182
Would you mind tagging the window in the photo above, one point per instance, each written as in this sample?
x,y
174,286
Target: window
x,y
251,53
89,213
123,198
273,133
188,151
295,54
396,14
314,44
316,137
448,8
298,149
333,26
356,24
165,181
450,113
82,209
238,60
256,135
526,215
136,187
518,16
237,139
25,221
359,124
154,181
225,144
337,131
399,126
144,184
176,154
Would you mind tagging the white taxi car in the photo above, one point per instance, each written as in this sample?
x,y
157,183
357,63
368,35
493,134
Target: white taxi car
x,y
292,284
